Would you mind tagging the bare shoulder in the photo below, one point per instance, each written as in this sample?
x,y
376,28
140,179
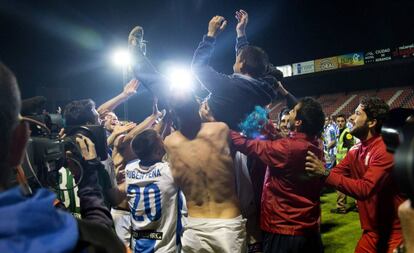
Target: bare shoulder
x,y
214,127
173,140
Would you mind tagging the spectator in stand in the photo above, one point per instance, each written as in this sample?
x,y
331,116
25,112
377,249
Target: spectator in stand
x,y
30,222
290,211
365,174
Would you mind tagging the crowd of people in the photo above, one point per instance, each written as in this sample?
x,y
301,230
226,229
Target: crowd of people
x,y
216,175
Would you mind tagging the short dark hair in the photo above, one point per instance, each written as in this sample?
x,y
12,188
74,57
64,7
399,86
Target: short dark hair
x,y
377,109
312,116
275,72
79,112
185,111
10,103
255,61
341,115
145,144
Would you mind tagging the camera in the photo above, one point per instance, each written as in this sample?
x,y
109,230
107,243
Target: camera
x,y
46,151
398,135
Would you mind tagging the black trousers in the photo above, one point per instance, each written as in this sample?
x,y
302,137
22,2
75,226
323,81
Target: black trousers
x,y
276,243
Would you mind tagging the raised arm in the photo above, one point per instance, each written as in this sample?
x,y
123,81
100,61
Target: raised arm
x,y
242,20
118,130
147,123
129,90
377,175
272,153
209,78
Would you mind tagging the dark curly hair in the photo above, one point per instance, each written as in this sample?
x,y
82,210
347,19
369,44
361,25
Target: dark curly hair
x,y
377,109
79,112
146,144
312,116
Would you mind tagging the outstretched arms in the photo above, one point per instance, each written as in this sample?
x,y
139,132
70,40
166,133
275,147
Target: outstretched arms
x,y
208,77
147,123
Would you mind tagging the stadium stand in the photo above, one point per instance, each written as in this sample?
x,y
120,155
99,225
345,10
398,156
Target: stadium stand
x,y
347,102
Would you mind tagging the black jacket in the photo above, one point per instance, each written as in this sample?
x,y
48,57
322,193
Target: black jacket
x,y
234,96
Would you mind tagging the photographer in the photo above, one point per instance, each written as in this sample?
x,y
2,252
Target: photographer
x,y
83,113
30,222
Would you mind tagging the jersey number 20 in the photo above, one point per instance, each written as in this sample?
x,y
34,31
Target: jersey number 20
x,y
135,190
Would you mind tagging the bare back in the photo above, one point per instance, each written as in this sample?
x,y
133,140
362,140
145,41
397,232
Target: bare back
x,y
203,169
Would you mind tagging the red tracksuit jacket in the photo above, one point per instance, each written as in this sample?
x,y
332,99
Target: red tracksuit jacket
x,y
365,174
290,199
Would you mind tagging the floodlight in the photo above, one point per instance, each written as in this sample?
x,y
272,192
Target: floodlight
x,y
181,78
121,57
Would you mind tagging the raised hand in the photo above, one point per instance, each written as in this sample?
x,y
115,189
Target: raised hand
x,y
87,147
120,129
242,20
131,87
216,25
205,113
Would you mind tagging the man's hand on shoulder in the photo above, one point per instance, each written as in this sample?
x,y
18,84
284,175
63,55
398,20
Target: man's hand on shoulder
x,y
314,166
216,25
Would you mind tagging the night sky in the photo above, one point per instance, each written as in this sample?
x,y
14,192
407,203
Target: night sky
x,y
61,49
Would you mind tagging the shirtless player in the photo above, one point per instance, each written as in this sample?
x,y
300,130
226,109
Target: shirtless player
x,y
202,167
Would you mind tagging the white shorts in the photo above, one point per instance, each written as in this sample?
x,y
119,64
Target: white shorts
x,y
214,235
122,222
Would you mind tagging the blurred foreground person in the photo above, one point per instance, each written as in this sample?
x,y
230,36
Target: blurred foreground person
x,y
406,214
30,222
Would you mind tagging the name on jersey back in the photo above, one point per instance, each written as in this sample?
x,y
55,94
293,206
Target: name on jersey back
x,y
136,174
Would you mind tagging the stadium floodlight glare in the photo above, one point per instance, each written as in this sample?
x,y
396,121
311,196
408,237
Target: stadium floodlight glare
x,y
181,78
121,58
